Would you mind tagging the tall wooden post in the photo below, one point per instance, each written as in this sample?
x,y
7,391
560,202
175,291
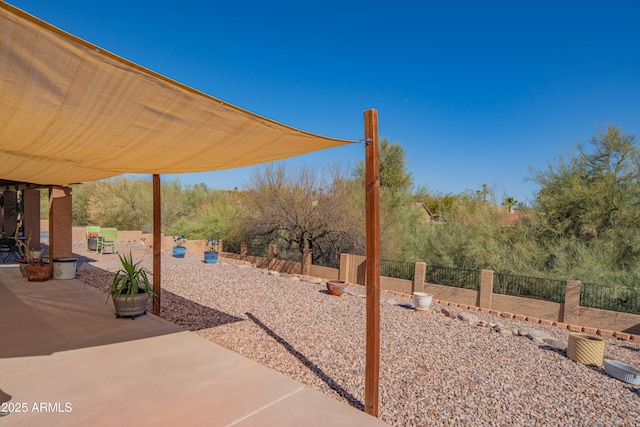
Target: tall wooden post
x,y
157,243
372,179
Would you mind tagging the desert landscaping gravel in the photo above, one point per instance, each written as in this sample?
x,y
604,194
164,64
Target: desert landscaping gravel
x,y
435,370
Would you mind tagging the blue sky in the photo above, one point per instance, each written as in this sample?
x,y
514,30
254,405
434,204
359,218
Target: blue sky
x,y
476,92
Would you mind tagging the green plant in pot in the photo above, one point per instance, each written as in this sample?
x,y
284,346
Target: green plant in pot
x,y
179,250
211,254
35,270
130,289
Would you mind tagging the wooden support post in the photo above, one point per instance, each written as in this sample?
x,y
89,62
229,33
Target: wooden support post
x,y
372,180
157,245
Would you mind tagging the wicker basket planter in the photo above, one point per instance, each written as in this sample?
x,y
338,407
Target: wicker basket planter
x,y
586,349
39,273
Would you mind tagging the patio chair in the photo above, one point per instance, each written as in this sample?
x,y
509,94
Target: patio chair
x,y
92,231
8,248
107,239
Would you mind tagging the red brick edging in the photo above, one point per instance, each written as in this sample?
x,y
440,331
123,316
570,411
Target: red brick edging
x,y
573,328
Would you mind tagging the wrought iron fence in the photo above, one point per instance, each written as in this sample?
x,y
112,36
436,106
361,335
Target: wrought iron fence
x,y
397,269
231,247
529,287
290,254
615,298
451,276
326,261
258,249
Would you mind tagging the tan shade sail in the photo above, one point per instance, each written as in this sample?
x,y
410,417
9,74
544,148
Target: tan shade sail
x,y
71,112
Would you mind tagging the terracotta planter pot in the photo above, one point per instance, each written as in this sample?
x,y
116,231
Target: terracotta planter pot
x,y
336,287
39,273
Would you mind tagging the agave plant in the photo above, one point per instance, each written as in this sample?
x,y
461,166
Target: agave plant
x,y
131,279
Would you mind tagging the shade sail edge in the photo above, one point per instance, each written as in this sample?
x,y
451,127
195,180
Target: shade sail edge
x,y
72,112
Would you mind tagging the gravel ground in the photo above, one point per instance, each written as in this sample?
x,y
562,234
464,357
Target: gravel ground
x,y
434,370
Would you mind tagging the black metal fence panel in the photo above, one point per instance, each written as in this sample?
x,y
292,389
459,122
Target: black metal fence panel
x,y
451,276
326,261
615,298
397,269
290,254
529,287
259,250
231,247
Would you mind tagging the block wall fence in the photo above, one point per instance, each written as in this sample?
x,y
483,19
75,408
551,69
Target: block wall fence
x,y
352,270
569,313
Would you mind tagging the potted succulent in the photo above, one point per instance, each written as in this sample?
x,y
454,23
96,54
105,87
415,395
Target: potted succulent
x,y
35,270
38,271
179,250
211,254
130,289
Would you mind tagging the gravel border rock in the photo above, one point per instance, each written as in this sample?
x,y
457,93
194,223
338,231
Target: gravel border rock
x,y
434,369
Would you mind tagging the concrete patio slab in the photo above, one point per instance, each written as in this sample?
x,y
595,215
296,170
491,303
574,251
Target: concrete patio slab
x,y
66,360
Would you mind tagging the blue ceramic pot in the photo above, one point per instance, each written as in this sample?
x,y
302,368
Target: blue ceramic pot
x,y
179,251
210,257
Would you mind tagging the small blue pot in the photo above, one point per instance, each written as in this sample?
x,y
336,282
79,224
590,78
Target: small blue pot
x,y
210,257
179,251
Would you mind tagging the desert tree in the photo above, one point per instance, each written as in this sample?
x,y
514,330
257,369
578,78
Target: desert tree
x,y
589,209
393,168
302,209
126,202
595,190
